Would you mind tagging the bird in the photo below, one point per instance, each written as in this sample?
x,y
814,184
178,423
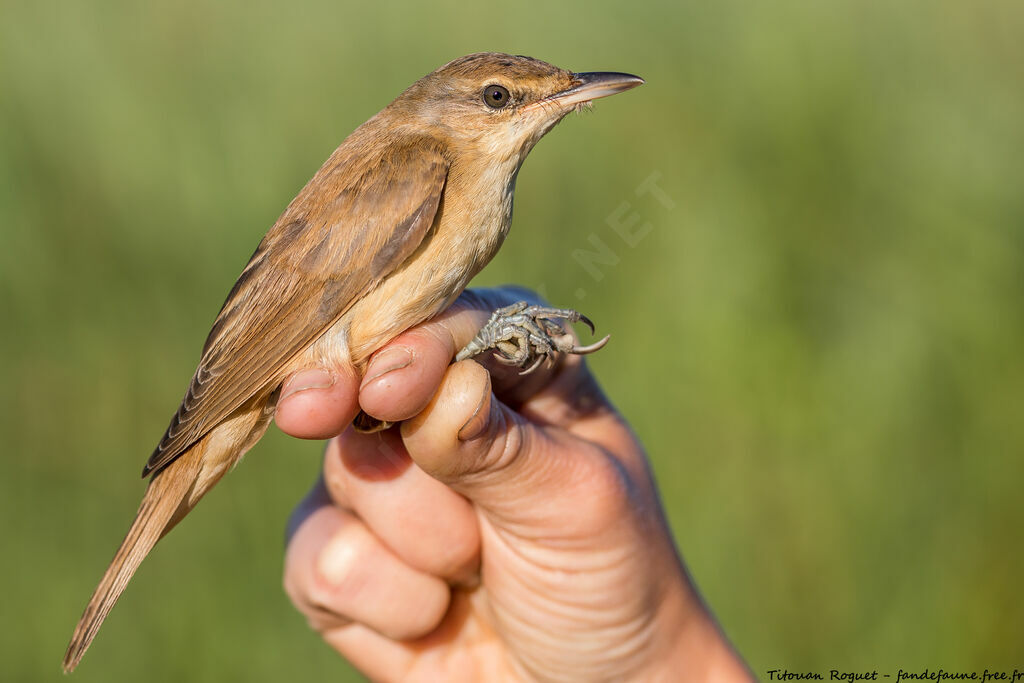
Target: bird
x,y
386,234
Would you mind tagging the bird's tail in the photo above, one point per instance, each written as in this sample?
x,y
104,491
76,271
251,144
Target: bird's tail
x,y
164,504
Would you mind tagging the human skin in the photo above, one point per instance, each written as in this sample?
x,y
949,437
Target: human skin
x,y
509,529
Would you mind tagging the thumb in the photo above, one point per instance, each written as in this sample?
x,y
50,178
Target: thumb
x,y
514,470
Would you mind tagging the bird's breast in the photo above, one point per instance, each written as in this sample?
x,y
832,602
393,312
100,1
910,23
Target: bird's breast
x,y
472,222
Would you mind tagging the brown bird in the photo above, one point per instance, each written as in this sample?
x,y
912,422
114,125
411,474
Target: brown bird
x,y
386,235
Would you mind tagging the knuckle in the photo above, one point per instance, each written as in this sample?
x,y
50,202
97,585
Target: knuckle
x,y
337,576
319,616
293,587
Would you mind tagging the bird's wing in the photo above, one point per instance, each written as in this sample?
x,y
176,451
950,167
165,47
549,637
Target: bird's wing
x,y
354,229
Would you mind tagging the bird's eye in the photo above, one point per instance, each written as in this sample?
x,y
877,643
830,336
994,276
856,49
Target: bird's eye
x,y
496,97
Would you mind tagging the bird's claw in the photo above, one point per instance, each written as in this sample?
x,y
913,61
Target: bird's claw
x,y
525,336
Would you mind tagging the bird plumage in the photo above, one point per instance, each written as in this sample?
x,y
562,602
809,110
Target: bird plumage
x,y
385,235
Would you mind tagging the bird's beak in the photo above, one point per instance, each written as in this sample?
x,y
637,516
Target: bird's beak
x,y
591,86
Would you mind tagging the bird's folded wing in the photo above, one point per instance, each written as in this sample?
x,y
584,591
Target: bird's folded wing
x,y
350,227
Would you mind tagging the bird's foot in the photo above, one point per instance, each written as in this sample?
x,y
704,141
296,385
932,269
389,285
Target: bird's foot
x,y
366,424
526,336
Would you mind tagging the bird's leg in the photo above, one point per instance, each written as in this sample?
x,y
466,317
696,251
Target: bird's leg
x,y
525,336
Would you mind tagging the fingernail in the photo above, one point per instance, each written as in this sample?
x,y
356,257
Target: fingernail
x,y
307,379
477,422
390,359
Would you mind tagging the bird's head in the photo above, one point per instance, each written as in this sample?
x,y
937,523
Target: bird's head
x,y
500,105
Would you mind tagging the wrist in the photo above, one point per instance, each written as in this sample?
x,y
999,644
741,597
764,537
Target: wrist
x,y
692,646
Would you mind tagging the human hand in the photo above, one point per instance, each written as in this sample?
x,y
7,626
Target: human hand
x,y
509,529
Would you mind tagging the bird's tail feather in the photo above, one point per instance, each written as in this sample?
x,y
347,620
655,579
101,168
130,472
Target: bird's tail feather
x,y
159,510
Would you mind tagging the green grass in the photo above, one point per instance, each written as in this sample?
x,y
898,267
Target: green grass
x,y
819,338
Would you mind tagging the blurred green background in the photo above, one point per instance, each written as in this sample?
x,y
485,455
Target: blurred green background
x,y
818,336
